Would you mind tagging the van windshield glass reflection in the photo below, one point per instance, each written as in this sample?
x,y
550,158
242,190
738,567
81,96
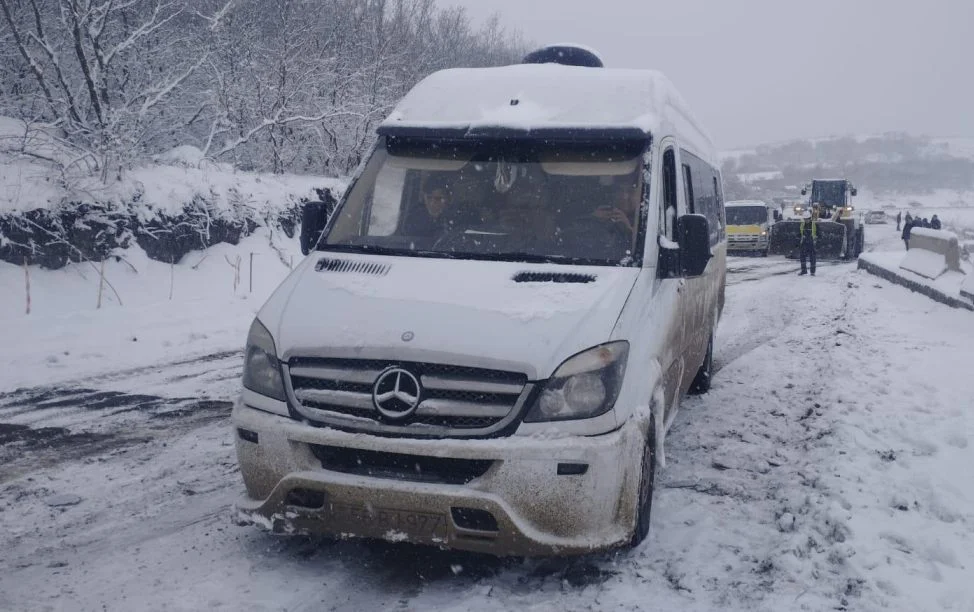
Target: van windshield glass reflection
x,y
488,200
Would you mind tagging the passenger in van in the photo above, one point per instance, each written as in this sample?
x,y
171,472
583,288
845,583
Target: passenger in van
x,y
621,214
470,200
430,219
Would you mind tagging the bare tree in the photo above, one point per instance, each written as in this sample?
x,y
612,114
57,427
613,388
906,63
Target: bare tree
x,y
270,85
105,68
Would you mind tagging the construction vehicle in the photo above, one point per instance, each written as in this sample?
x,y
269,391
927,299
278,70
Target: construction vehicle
x,y
840,227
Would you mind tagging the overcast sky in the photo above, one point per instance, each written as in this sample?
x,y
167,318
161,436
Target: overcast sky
x,y
764,70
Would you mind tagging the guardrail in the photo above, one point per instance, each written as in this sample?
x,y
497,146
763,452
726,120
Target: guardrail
x,y
932,252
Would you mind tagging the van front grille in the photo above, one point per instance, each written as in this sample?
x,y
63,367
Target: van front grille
x,y
450,400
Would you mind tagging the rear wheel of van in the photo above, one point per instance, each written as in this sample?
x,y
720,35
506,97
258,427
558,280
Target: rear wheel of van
x,y
647,482
701,383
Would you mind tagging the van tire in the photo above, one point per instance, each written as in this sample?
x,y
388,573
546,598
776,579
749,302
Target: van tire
x,y
647,485
701,382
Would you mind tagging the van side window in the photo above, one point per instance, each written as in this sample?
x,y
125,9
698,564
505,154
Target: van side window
x,y
668,210
688,189
705,192
721,213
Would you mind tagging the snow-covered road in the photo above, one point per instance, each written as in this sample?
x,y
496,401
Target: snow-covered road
x,y
829,468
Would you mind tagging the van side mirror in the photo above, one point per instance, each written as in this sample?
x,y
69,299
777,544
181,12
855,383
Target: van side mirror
x,y
694,232
804,191
314,218
854,191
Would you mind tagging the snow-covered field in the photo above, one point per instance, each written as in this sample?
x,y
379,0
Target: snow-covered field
x,y
829,467
67,337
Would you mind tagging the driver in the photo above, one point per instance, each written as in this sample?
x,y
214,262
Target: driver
x,y
430,219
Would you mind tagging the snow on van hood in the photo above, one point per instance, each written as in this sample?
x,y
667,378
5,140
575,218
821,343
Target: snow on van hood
x,y
463,312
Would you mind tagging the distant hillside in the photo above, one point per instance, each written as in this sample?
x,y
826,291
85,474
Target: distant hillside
x,y
885,164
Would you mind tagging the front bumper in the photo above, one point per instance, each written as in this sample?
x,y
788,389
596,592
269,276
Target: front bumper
x,y
520,505
747,243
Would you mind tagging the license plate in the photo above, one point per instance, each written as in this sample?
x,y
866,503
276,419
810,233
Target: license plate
x,y
381,520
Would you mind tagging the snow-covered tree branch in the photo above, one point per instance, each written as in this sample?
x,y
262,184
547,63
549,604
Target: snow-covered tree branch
x,y
271,85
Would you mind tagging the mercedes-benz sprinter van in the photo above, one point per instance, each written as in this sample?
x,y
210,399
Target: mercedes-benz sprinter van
x,y
488,342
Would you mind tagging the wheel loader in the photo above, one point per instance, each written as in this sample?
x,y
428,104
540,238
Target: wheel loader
x,y
840,227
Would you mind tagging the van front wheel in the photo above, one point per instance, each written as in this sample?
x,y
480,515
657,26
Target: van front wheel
x,y
701,383
647,482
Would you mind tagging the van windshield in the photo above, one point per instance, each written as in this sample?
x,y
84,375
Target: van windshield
x,y
747,215
502,199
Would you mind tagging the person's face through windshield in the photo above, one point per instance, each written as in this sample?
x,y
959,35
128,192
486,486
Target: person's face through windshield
x,y
436,197
622,207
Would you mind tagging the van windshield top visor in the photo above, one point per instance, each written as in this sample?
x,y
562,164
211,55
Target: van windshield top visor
x,y
507,199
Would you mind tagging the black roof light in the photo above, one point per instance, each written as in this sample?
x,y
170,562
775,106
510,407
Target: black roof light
x,y
567,55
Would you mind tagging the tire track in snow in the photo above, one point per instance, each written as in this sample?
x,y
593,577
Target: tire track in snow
x,y
754,450
43,426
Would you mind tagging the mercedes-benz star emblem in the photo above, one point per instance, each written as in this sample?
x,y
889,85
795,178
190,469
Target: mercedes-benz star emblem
x,y
396,393
408,336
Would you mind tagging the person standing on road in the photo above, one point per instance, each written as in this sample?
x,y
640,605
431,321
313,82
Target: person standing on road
x,y
907,228
809,235
908,219
899,217
935,223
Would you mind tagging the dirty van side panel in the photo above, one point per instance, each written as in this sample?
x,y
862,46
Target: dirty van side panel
x,y
702,293
669,326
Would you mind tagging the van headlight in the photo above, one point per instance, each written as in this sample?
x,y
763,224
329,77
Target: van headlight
x,y
583,387
262,370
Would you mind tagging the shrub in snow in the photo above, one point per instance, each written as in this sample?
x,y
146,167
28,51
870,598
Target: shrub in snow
x,y
52,238
91,232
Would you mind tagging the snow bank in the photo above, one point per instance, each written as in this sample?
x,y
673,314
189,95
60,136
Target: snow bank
x,y
54,208
150,311
38,171
27,184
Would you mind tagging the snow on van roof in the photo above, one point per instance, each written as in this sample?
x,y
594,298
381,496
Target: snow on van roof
x,y
552,96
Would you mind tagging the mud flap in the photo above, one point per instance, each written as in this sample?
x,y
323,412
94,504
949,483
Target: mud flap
x,y
659,399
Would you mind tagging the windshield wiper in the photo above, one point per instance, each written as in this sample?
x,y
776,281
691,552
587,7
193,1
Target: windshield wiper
x,y
530,258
